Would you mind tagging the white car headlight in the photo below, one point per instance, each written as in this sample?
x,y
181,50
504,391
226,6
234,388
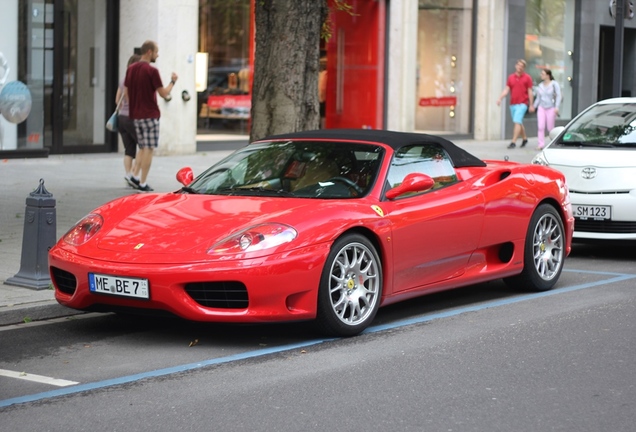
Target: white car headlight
x,y
540,160
256,238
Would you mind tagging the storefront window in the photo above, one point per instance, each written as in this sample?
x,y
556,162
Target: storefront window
x,y
25,46
549,44
224,34
62,59
444,66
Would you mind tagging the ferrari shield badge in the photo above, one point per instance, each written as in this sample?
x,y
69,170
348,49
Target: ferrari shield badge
x,y
378,210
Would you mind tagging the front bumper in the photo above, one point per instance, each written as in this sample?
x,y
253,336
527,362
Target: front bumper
x,y
621,226
280,287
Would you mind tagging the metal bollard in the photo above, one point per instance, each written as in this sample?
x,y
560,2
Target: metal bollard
x,y
38,237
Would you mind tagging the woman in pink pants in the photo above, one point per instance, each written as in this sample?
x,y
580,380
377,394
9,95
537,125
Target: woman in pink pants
x,y
546,101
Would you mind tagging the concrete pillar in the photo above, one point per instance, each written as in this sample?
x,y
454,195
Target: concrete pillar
x,y
490,70
402,61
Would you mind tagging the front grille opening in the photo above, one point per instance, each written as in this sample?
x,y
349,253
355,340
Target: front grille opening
x,y
605,226
223,295
64,281
618,192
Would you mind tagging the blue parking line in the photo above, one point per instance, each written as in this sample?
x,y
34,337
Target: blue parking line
x,y
156,373
614,277
617,277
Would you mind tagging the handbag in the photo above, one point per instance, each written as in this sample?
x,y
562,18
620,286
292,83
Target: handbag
x,y
111,124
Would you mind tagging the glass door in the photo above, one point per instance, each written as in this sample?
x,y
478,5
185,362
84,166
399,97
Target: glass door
x,y
79,88
550,43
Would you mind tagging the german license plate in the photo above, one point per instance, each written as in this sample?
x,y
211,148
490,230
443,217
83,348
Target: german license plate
x,y
120,286
585,212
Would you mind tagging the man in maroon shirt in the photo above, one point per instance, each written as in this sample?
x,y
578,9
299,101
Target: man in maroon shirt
x,y
519,85
143,83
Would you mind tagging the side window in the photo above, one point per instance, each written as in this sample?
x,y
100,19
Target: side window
x,y
430,159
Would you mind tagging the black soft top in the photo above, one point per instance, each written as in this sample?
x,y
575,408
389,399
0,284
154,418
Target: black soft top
x,y
396,140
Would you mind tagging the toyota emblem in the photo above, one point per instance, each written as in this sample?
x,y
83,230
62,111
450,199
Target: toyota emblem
x,y
588,173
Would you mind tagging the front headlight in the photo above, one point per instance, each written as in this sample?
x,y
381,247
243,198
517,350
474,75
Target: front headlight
x,y
256,238
84,230
540,160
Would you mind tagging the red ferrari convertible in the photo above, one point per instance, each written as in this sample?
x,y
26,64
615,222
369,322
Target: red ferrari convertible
x,y
320,225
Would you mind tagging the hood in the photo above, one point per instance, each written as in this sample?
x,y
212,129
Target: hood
x,y
595,170
177,223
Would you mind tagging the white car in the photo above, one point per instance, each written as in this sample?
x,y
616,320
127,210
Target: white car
x,y
597,153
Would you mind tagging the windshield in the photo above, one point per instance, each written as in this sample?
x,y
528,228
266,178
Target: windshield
x,y
305,169
604,125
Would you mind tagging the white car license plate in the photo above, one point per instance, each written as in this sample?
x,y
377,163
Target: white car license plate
x,y
585,212
121,286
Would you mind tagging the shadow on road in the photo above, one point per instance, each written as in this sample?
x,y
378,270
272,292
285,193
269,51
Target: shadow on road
x,y
623,250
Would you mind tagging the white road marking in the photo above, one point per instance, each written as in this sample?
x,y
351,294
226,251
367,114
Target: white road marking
x,y
37,378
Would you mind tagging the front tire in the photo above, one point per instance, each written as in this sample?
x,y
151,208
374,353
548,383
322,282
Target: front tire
x,y
544,253
350,287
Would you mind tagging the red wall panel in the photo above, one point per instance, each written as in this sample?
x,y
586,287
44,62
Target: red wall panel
x,y
355,67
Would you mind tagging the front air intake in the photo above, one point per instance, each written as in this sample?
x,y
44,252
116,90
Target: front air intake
x,y
64,281
223,295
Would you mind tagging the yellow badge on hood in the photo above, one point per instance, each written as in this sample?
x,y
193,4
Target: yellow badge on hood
x,y
378,210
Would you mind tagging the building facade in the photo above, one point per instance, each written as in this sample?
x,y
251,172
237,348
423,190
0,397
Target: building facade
x,y
435,66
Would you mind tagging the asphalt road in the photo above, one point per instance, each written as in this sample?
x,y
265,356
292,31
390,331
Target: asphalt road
x,y
481,358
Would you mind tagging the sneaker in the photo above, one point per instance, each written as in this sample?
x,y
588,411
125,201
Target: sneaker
x,y
524,142
512,145
132,182
145,188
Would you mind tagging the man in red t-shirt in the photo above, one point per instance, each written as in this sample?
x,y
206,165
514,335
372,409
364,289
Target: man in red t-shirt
x,y
519,85
143,83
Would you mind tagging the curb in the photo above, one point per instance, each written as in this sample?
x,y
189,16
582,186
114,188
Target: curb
x,y
11,315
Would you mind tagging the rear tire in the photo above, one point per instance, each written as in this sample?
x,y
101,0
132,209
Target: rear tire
x,y
350,287
544,251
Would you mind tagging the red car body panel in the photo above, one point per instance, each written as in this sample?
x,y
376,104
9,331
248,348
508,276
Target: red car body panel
x,y
443,239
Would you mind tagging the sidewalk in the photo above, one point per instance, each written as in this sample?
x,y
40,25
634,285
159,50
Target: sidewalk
x,y
79,183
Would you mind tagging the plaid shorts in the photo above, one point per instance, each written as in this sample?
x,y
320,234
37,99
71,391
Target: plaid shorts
x,y
147,133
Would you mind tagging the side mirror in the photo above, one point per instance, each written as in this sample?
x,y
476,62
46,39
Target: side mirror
x,y
185,176
414,182
556,132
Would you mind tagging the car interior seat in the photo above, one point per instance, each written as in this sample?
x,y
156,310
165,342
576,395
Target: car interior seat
x,y
316,170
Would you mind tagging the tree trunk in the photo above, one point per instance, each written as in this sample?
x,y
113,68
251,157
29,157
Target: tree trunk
x,y
286,66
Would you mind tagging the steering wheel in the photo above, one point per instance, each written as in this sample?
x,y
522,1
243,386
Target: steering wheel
x,y
347,182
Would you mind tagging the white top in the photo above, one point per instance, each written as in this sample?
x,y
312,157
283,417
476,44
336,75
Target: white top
x,y
547,95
